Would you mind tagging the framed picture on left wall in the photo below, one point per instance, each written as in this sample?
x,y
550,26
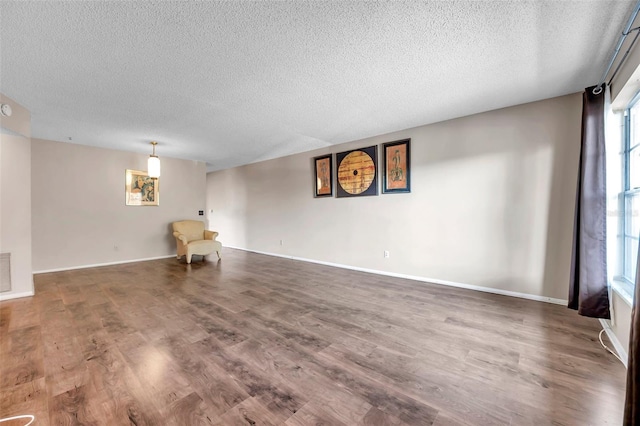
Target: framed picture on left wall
x,y
140,189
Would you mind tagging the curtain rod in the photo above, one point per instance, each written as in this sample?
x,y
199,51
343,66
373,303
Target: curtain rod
x,y
623,36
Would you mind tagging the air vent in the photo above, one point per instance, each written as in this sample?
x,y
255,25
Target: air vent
x,y
5,272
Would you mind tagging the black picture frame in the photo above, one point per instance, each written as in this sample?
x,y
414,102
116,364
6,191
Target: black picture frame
x,y
396,174
323,176
357,172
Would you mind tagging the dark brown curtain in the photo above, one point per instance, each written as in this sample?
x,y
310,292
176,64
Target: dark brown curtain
x,y
632,405
588,290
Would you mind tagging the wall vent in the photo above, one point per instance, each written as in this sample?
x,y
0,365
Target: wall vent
x,y
5,272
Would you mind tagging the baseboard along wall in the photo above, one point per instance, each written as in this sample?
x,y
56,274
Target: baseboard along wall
x,y
418,278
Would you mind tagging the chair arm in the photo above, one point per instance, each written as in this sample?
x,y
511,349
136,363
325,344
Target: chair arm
x,y
210,235
181,237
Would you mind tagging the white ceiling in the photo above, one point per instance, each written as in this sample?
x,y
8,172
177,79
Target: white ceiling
x,y
231,83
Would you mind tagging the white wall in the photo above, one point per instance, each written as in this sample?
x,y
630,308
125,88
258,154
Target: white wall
x,y
79,212
620,324
491,205
15,197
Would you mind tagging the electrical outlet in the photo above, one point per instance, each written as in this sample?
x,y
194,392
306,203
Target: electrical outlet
x,y
281,242
386,253
116,248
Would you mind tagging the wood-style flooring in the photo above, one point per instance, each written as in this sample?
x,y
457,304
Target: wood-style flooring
x,y
259,340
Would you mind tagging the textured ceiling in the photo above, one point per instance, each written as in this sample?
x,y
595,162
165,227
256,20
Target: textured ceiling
x,y
232,83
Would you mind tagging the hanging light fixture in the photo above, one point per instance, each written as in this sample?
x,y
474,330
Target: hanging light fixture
x,y
153,164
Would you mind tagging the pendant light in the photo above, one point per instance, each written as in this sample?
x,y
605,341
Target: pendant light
x,y
153,164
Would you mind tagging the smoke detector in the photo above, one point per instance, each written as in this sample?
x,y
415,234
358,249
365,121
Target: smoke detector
x,y
5,109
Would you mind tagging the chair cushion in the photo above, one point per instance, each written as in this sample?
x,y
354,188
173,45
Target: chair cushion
x,y
204,247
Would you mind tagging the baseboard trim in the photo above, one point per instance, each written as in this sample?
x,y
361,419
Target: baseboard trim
x,y
336,265
96,265
418,278
16,295
622,353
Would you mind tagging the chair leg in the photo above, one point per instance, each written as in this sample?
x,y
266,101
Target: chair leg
x,y
189,258
218,253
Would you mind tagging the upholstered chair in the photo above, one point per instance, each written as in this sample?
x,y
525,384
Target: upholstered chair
x,y
192,238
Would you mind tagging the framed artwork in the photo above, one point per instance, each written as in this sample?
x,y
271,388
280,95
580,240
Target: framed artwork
x,y
357,172
323,167
140,189
397,166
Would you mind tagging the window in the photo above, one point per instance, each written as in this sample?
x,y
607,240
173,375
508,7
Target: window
x,y
629,197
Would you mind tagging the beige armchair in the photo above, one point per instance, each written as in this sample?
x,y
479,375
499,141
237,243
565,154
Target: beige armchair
x,y
192,238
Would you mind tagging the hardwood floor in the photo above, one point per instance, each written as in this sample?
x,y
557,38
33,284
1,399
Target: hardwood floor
x,y
259,340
